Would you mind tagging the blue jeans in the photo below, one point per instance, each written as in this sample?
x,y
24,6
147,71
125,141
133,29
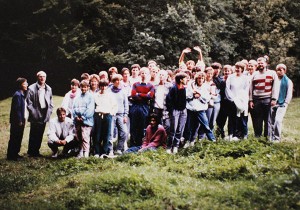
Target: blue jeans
x,y
118,123
138,122
102,133
136,149
177,123
261,116
212,114
242,125
199,118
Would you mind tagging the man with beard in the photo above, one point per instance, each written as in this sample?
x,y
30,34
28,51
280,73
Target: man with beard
x,y
264,90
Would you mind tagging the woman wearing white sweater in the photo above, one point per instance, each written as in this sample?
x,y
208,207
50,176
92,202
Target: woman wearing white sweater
x,y
237,91
198,97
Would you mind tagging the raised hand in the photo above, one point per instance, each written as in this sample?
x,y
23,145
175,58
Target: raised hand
x,y
187,50
197,48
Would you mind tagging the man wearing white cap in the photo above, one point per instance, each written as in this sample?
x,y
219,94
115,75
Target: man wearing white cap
x,y
285,96
40,106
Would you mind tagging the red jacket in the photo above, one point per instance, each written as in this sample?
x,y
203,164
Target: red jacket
x,y
155,138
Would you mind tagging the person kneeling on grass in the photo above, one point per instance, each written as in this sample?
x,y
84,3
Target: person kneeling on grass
x,y
61,133
155,136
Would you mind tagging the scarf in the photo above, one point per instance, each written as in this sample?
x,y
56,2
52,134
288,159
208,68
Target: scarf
x,y
115,89
283,90
72,95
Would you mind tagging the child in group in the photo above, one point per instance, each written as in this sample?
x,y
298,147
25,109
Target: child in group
x,y
120,119
68,100
83,112
176,106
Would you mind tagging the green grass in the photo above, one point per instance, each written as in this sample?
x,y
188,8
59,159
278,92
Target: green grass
x,y
251,174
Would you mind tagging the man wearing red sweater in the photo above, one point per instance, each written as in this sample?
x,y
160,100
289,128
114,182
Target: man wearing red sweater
x,y
141,94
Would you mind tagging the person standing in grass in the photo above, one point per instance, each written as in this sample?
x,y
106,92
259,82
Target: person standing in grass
x,y
17,120
142,92
70,96
120,119
224,104
83,113
210,111
40,106
237,90
161,91
106,108
198,96
285,97
264,90
176,106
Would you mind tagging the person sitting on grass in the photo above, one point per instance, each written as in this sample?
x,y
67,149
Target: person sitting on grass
x,y
61,133
155,136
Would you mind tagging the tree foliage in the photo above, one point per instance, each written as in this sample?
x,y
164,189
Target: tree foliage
x,y
92,35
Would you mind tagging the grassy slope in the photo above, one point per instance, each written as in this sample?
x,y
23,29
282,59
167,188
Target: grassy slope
x,y
248,174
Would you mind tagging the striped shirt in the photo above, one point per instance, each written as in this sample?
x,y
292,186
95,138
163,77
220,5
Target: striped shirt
x,y
142,92
264,84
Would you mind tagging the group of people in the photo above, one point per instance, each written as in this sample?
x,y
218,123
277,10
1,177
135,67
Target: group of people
x,y
143,108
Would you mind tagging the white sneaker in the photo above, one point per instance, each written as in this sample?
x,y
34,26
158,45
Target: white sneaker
x,y
245,137
125,146
228,137
234,139
169,151
182,139
192,144
86,154
175,150
54,154
275,141
111,153
96,156
80,154
114,139
119,152
187,144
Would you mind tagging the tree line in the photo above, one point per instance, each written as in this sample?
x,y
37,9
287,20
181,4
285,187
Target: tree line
x,y
68,37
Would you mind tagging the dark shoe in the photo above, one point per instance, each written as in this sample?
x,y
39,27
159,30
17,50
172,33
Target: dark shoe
x,y
12,158
35,155
20,156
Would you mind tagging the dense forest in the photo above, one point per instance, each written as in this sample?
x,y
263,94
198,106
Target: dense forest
x,y
68,37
